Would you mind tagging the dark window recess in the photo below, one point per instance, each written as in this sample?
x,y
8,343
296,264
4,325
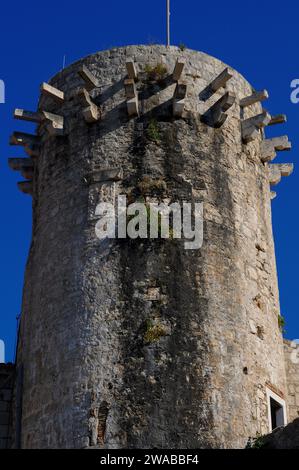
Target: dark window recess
x,y
277,415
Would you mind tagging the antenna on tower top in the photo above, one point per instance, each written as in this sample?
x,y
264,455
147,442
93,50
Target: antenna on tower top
x,y
168,21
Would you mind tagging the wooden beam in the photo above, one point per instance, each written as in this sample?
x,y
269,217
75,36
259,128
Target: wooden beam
x,y
52,92
91,111
178,69
215,116
180,90
18,164
90,80
282,143
130,88
132,107
267,151
26,187
279,119
269,147
274,175
254,98
55,123
22,138
131,69
277,171
252,126
30,116
221,80
179,99
84,97
286,169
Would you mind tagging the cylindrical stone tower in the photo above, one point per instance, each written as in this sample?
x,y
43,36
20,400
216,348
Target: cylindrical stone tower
x,y
141,343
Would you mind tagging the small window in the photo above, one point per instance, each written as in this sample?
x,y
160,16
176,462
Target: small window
x,y
277,411
276,414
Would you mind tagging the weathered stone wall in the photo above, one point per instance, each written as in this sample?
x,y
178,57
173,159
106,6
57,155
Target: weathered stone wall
x,y
291,354
6,389
94,376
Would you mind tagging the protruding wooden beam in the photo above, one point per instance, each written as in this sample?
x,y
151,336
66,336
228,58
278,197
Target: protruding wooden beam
x,y
19,164
273,195
84,97
274,175
26,187
179,99
267,151
130,88
24,139
90,80
286,169
178,69
131,69
252,126
269,147
55,123
24,165
52,92
254,98
23,115
279,119
277,171
132,97
215,116
221,80
91,111
180,90
282,143
132,107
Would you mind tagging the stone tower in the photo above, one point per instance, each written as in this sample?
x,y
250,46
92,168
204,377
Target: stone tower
x,y
141,343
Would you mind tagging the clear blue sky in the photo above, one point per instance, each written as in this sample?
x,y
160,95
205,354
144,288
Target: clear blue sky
x,y
259,39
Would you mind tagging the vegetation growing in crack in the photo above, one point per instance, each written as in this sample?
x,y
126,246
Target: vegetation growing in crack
x,y
153,132
149,185
155,73
153,332
257,442
281,323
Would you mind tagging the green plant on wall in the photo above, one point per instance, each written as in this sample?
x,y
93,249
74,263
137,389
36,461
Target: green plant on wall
x,y
155,72
281,323
153,332
153,132
257,442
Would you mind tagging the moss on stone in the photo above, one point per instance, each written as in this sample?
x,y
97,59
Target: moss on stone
x,y
154,332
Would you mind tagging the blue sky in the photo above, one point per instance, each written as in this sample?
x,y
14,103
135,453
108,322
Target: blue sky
x,y
260,41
